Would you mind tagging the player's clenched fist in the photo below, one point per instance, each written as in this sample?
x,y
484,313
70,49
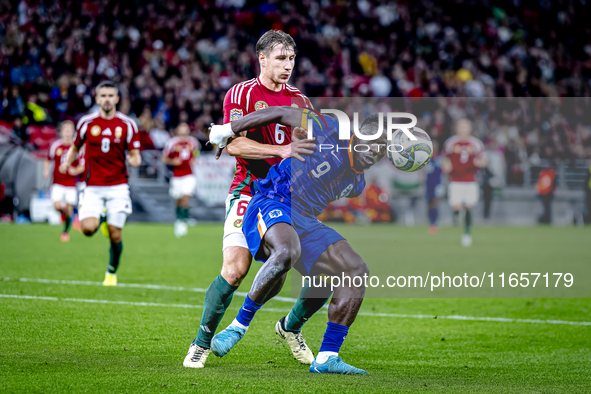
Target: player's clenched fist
x,y
63,168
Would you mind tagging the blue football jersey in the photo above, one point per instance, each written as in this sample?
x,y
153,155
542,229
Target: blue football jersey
x,y
325,176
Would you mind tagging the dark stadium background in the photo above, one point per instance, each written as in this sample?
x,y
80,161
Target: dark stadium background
x,y
175,60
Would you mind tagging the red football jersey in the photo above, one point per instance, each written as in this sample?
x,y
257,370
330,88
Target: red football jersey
x,y
58,152
185,150
106,142
462,155
250,96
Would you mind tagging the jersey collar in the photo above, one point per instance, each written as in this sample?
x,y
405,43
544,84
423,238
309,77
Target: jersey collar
x,y
269,91
351,156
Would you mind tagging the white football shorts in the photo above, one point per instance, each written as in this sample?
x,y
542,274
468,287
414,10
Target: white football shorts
x,y
182,186
235,209
64,194
116,199
463,193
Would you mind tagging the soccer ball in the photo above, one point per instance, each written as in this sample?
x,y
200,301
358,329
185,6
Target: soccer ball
x,y
408,155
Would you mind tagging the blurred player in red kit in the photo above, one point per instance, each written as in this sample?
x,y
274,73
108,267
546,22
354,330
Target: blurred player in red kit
x,y
255,153
63,189
107,135
179,153
81,185
463,156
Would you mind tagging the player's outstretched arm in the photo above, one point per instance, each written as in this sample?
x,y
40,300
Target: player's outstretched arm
x,y
246,148
284,115
72,154
134,158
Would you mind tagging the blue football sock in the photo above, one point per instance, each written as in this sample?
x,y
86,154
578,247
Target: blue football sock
x,y
433,215
333,337
246,313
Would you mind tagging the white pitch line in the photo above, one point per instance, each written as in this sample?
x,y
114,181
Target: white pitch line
x,y
131,285
403,316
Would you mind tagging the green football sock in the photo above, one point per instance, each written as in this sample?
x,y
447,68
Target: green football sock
x,y
185,213
217,300
102,219
179,213
306,305
468,219
67,224
115,256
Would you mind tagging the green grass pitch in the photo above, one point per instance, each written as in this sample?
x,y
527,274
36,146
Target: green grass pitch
x,y
69,342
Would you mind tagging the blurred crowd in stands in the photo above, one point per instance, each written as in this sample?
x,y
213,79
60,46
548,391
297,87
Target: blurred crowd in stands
x,y
174,61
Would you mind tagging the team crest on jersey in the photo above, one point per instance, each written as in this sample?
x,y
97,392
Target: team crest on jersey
x,y
95,130
347,191
457,149
178,148
294,105
238,223
260,105
118,132
275,213
59,152
235,114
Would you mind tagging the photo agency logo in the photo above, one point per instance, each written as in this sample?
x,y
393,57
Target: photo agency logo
x,y
345,130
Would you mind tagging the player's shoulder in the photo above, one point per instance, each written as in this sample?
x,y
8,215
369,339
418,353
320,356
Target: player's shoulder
x,y
236,94
193,141
171,142
88,118
55,144
450,142
126,119
476,142
292,91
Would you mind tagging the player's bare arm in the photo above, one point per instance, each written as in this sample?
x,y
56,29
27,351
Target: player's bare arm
x,y
248,149
172,162
76,170
72,154
446,166
480,162
134,158
46,169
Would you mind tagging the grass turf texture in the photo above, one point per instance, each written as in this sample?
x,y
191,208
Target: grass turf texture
x,y
63,346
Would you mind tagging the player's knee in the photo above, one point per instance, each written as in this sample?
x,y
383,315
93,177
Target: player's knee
x,y
234,272
285,255
57,206
361,268
353,265
115,234
87,230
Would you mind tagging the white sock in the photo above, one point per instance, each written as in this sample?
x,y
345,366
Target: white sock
x,y
238,324
285,321
323,356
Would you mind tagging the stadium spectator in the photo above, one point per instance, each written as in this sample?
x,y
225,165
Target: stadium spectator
x,y
179,58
